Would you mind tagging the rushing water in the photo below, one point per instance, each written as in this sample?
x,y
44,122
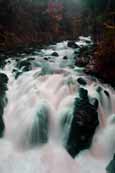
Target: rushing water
x,y
38,100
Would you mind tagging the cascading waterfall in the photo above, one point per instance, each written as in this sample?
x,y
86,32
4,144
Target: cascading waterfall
x,y
39,114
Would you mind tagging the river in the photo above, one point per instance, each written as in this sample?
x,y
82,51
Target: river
x,y
33,140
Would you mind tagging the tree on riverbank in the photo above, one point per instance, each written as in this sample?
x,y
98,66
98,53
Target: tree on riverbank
x,y
26,22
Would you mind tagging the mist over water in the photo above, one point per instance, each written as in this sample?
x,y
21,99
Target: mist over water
x,y
38,101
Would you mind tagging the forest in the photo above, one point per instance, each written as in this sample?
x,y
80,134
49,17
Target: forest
x,y
25,23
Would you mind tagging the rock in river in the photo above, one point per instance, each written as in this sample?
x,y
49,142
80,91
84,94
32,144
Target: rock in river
x,y
83,126
72,44
3,100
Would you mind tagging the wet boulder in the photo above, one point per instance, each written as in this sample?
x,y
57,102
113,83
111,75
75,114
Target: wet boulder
x,y
83,126
2,62
3,78
3,83
55,54
45,58
2,126
81,81
31,59
17,74
107,93
83,56
25,65
72,44
22,66
111,166
3,100
65,57
83,93
99,89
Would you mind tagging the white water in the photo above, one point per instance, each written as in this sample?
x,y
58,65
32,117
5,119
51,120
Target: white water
x,y
52,95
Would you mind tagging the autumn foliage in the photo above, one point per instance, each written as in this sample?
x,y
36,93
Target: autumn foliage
x,y
102,63
24,23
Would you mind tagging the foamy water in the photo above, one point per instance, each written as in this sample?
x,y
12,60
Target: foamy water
x,y
34,140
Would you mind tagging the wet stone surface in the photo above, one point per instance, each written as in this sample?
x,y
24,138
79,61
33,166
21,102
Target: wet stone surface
x,y
3,100
84,123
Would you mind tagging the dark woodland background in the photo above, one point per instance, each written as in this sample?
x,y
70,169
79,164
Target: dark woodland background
x,y
43,21
25,23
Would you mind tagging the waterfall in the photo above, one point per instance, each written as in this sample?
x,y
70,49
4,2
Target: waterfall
x,y
39,113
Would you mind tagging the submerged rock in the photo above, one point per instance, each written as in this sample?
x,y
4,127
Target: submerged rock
x,y
2,126
65,57
72,44
22,66
81,81
99,89
45,58
17,74
31,59
55,54
107,93
25,64
84,123
111,167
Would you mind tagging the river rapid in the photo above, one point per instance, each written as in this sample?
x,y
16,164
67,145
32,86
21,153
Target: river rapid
x,y
34,140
